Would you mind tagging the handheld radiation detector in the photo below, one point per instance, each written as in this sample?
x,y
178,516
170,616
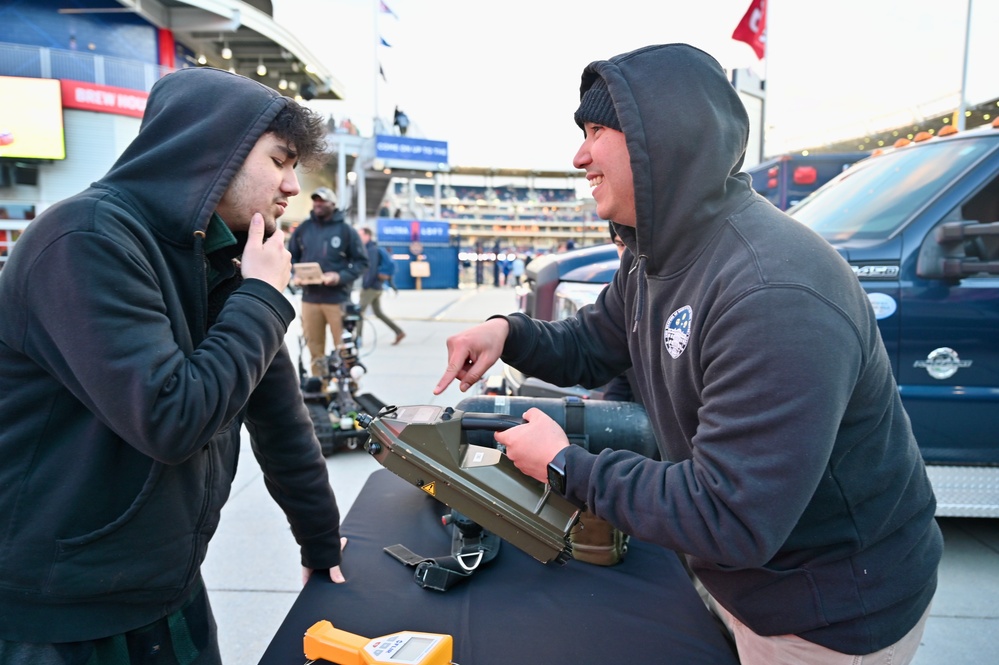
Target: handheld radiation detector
x,y
324,642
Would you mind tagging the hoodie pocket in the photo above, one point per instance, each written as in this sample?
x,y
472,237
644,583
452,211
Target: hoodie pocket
x,y
769,602
143,553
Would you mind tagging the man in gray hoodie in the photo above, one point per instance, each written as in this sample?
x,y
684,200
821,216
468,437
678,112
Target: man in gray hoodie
x,y
793,486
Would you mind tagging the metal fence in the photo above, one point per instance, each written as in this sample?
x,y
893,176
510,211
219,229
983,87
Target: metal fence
x,y
53,63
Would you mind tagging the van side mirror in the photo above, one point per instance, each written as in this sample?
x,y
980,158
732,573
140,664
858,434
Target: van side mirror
x,y
958,249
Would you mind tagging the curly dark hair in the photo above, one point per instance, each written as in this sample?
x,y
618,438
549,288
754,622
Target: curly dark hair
x,y
305,131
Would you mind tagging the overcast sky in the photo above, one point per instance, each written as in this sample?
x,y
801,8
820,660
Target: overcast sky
x,y
499,81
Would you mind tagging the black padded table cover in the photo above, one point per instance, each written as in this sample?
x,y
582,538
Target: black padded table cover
x,y
513,609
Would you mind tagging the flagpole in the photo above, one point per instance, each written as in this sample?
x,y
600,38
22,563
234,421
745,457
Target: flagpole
x,y
766,81
752,30
962,104
374,74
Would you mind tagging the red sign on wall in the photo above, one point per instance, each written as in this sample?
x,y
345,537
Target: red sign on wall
x,y
103,98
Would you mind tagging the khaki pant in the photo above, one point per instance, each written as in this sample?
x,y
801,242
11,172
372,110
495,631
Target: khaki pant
x,y
792,650
315,318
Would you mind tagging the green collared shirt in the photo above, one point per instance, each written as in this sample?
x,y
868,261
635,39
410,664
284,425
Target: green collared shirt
x,y
217,236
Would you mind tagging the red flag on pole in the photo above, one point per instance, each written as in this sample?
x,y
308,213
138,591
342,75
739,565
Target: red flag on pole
x,y
752,29
385,8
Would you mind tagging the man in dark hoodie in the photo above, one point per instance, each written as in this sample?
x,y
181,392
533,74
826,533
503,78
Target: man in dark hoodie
x,y
327,239
794,486
143,326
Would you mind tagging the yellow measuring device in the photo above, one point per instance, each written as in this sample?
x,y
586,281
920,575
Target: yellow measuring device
x,y
324,642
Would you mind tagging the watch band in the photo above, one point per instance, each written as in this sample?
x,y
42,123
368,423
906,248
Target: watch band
x,y
556,473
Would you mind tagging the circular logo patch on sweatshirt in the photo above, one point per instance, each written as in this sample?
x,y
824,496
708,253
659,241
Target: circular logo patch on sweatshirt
x,y
677,332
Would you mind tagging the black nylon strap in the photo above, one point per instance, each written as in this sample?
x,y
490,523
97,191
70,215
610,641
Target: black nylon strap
x,y
575,420
442,573
403,554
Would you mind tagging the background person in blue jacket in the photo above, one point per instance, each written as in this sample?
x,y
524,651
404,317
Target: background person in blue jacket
x,y
327,239
793,484
143,326
374,282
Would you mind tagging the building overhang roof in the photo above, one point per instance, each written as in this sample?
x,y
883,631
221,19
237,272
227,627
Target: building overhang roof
x,y
252,37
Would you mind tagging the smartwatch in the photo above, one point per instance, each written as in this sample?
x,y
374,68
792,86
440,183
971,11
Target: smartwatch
x,y
556,472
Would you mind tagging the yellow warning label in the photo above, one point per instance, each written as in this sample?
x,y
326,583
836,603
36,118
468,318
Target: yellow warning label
x,y
430,488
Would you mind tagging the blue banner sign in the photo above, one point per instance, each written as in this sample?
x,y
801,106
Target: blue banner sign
x,y
405,231
410,150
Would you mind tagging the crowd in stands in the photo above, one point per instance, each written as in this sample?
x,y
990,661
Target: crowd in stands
x,y
488,203
504,193
546,215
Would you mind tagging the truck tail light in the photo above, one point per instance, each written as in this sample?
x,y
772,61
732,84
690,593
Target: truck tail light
x,y
805,175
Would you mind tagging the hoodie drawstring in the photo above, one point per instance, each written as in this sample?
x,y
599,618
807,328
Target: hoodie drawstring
x,y
201,287
640,307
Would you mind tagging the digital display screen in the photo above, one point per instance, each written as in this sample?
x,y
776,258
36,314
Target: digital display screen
x,y
412,649
31,119
419,414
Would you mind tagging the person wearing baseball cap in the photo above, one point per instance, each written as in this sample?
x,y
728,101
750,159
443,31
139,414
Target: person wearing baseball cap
x,y
326,195
327,239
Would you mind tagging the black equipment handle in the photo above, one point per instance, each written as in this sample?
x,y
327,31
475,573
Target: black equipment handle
x,y
493,422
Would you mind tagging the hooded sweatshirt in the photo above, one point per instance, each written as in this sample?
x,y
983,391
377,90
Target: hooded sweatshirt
x,y
336,246
130,357
794,485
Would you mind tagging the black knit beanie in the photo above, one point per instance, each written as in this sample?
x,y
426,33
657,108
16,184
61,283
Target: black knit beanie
x,y
596,106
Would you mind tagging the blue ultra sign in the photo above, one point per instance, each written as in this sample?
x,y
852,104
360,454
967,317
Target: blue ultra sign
x,y
412,230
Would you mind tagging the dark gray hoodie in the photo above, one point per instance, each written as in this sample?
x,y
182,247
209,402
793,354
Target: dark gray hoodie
x,y
122,396
794,486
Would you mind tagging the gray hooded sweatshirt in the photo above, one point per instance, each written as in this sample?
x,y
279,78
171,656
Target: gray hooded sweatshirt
x,y
794,485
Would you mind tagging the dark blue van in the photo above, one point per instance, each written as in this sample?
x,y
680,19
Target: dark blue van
x,y
787,179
